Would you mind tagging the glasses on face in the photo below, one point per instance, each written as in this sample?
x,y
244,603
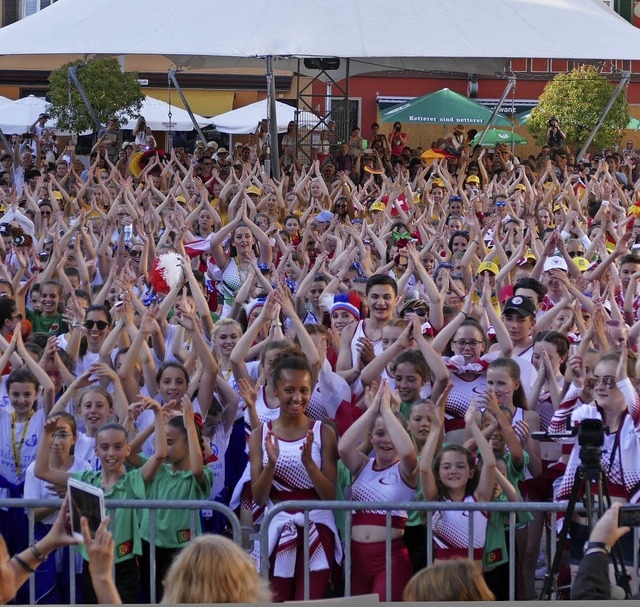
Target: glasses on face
x,y
501,203
417,311
18,316
135,253
101,324
463,343
63,437
608,381
576,253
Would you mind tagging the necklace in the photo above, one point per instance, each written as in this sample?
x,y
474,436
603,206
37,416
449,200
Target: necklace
x,y
16,450
242,278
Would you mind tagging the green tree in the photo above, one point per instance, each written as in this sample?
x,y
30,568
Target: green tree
x,y
577,99
110,92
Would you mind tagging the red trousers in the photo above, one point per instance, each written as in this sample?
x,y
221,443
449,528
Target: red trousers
x,y
292,588
368,569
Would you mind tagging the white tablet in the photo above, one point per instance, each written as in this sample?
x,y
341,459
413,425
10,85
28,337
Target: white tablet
x,y
88,501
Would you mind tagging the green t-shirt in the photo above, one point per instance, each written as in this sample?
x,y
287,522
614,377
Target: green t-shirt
x,y
495,544
126,521
416,517
344,482
173,527
52,325
514,476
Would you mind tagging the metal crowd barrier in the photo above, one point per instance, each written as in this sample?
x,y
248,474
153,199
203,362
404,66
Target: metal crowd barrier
x,y
111,505
429,507
306,506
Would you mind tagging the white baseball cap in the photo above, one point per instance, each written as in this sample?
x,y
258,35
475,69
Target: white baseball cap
x,y
555,263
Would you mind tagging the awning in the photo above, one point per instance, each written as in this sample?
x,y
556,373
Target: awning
x,y
205,103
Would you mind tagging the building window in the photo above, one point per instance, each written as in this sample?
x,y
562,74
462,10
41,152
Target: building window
x,y
30,7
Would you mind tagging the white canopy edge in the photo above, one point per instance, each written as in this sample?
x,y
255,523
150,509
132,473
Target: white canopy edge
x,y
478,36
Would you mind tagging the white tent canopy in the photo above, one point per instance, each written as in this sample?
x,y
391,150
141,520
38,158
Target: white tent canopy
x,y
245,119
17,116
481,35
156,114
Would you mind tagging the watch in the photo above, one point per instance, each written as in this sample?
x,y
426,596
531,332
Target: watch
x,y
591,547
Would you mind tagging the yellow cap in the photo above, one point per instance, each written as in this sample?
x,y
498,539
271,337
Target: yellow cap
x,y
488,265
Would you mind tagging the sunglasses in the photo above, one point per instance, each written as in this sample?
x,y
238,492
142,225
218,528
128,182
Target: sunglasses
x,y
608,381
576,253
135,253
501,203
417,311
63,437
456,198
101,324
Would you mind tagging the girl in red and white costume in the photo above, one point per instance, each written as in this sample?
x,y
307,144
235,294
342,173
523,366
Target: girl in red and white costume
x,y
453,476
291,458
256,384
390,476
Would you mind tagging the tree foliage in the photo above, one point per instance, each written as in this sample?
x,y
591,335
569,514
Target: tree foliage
x,y
110,92
577,100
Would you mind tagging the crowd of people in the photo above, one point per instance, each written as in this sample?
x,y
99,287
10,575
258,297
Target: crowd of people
x,y
374,326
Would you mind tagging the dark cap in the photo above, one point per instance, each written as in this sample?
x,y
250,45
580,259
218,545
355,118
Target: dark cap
x,y
522,305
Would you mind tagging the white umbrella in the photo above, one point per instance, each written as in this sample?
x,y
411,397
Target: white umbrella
x,y
17,116
245,119
156,113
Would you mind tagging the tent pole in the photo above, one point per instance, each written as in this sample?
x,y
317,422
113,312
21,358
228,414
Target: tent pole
x,y
174,81
510,85
626,76
73,75
273,118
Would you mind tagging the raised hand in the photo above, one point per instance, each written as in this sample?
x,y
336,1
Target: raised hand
x,y
306,451
273,449
248,392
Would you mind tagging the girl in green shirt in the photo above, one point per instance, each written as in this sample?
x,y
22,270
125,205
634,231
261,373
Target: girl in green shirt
x,y
183,476
112,448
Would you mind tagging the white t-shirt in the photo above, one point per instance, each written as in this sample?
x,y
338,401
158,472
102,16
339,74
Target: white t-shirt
x,y
35,488
219,443
28,448
85,449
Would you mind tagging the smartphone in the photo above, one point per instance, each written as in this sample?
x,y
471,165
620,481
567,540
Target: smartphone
x,y
629,516
88,501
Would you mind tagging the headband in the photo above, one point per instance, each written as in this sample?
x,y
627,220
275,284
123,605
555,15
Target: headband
x,y
345,305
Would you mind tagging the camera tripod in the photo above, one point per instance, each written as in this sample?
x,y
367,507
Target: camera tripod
x,y
590,471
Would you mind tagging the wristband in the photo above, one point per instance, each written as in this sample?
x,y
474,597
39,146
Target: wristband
x,y
22,564
465,314
591,547
37,553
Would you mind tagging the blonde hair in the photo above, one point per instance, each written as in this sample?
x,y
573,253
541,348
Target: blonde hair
x,y
455,580
221,324
212,569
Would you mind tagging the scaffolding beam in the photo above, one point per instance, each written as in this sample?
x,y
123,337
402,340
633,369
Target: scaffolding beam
x,y
196,126
496,110
304,143
274,155
626,76
73,76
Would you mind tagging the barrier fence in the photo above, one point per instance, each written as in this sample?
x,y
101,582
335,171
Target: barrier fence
x,y
110,505
305,506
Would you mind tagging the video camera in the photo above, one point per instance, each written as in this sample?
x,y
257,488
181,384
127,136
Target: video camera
x,y
590,433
